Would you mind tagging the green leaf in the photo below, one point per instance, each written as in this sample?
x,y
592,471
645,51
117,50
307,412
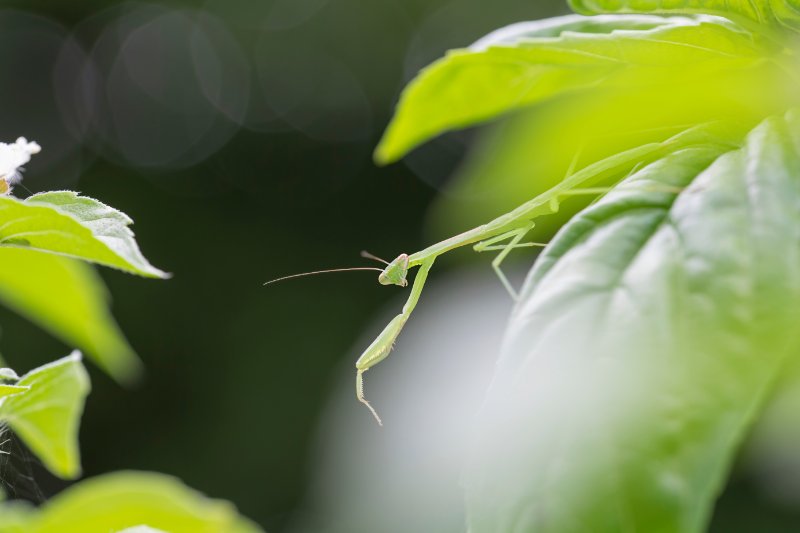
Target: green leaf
x,y
556,26
16,516
67,224
67,298
123,500
141,529
9,390
514,70
646,339
46,417
774,12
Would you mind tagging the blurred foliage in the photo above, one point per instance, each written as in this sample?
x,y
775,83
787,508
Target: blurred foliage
x,y
43,237
46,414
129,501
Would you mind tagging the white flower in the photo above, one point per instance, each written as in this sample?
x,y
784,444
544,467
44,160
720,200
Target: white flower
x,y
13,156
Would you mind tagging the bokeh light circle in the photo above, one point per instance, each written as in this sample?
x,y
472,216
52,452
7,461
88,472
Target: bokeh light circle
x,y
37,51
173,85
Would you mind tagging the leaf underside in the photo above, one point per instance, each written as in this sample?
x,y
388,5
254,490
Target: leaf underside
x,y
47,415
521,66
67,224
67,298
645,341
780,13
42,241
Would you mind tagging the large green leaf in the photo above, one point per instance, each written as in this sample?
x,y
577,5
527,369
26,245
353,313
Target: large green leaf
x,y
67,298
517,68
67,224
125,500
46,417
775,12
646,339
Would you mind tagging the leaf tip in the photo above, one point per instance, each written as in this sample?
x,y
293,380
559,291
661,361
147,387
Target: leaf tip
x,y
384,154
127,369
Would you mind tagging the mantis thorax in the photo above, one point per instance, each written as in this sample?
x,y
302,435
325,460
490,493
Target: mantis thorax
x,y
395,272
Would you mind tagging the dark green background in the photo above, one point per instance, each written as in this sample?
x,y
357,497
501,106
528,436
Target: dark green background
x,y
237,373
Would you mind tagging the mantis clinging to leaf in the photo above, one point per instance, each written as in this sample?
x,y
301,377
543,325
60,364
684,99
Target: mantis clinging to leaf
x,y
507,232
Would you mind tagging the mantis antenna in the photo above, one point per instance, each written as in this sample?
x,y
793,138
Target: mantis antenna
x,y
314,273
366,255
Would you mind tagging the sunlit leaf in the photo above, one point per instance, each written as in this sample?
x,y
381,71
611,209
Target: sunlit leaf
x,y
47,416
646,340
554,27
767,12
125,501
512,70
141,529
525,154
67,224
68,299
9,390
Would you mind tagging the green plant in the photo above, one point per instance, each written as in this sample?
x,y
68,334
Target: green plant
x,y
45,242
657,322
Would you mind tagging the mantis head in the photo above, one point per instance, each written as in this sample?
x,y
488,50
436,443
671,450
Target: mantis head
x,y
395,272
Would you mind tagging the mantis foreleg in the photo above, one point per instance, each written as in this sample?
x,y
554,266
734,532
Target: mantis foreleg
x,y
383,344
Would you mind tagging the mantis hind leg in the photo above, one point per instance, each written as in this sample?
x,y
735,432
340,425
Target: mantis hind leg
x,y
598,192
491,244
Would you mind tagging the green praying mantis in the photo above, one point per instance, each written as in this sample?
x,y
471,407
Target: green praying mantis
x,y
507,232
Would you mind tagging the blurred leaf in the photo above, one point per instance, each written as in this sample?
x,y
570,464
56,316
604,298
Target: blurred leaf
x,y
9,390
646,340
514,70
778,12
15,516
67,224
121,500
46,417
68,299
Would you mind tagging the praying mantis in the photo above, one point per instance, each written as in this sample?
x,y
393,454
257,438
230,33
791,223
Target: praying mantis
x,y
507,232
